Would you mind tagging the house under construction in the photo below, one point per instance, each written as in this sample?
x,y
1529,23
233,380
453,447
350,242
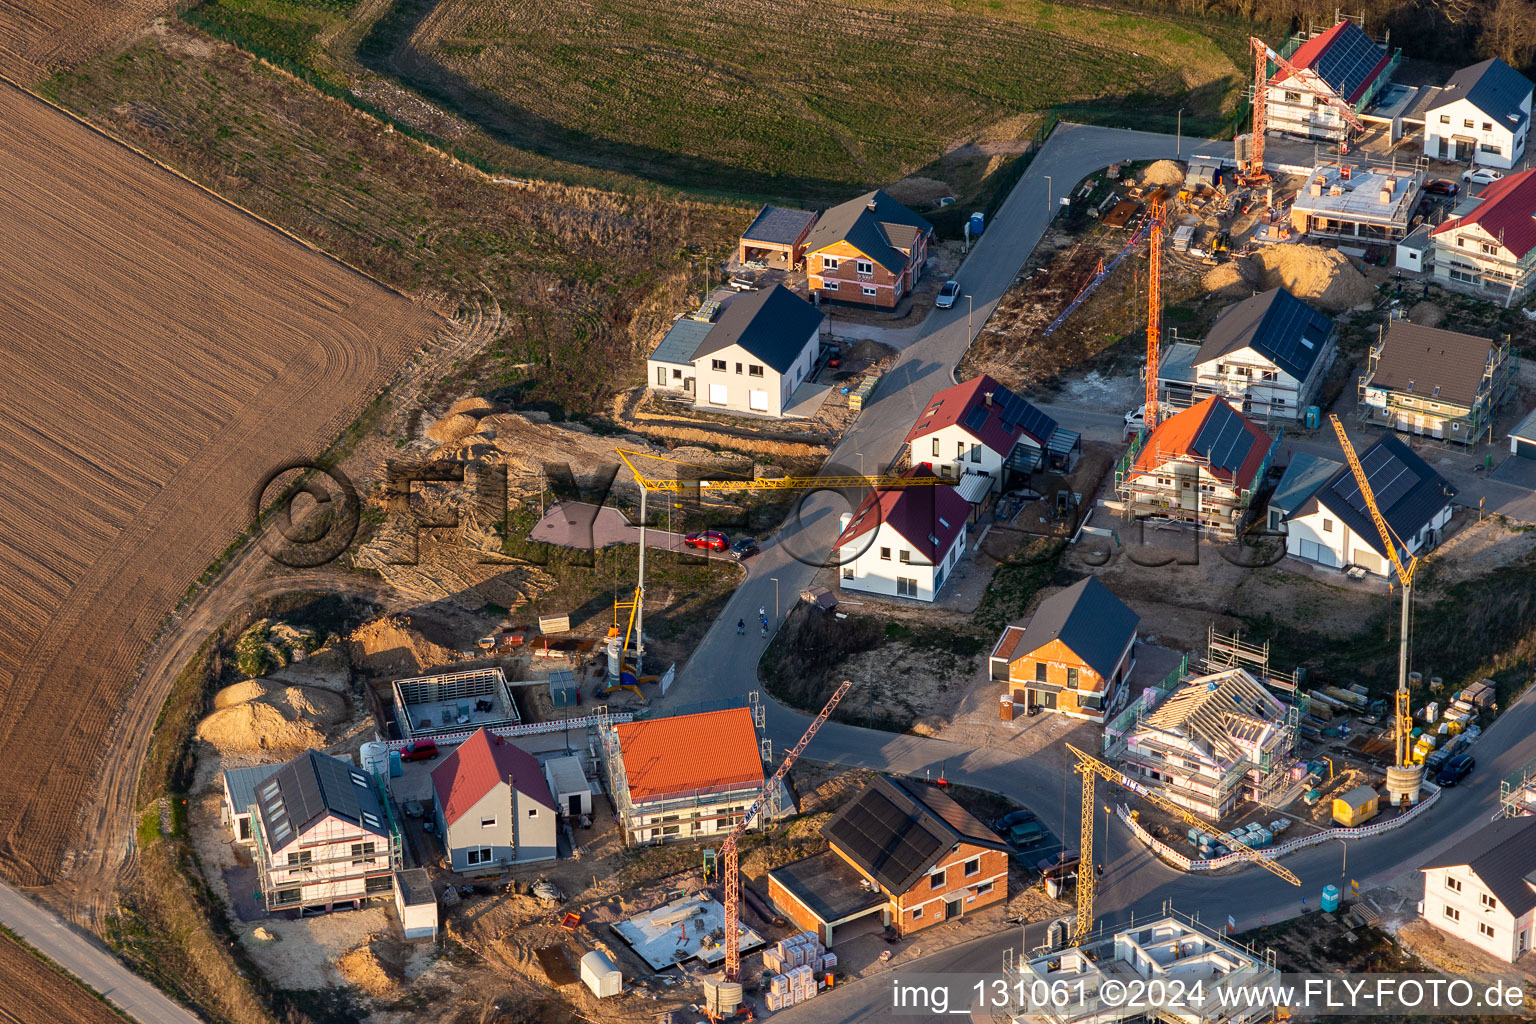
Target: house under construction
x,y
1217,740
1168,947
1436,383
1201,466
1357,206
683,776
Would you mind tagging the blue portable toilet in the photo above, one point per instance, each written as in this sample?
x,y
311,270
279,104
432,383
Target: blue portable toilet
x,y
396,769
978,222
1314,417
1330,898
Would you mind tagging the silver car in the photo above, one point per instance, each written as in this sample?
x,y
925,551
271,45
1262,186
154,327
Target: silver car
x,y
948,294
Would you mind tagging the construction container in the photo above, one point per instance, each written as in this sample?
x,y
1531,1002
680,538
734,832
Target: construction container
x,y
600,975
859,395
1355,807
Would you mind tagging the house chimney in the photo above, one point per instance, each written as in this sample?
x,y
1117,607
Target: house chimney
x,y
989,399
871,204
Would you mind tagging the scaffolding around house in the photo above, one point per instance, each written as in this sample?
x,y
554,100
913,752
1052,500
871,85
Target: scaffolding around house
x,y
1517,792
1181,488
1432,414
1223,651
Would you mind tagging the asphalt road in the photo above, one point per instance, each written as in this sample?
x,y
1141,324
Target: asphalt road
x,y
86,960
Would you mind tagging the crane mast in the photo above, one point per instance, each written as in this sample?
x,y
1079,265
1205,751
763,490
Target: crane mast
x,y
732,872
1254,173
1157,211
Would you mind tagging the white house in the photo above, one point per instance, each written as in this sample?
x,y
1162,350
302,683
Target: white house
x,y
1481,889
1488,246
492,805
324,837
751,359
903,541
1266,356
239,807
683,776
1481,117
1333,527
980,428
1343,62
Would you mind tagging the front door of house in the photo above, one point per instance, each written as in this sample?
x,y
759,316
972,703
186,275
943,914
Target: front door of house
x,y
953,908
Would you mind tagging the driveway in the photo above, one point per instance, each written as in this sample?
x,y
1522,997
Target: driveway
x,y
576,524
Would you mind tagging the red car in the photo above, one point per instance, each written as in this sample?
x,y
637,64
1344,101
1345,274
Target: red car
x,y
419,750
1442,187
709,540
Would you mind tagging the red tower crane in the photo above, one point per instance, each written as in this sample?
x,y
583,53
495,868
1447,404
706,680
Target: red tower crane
x,y
1157,210
1254,173
732,873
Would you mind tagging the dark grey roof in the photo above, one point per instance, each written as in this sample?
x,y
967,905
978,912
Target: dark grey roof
x,y
1301,479
875,224
779,225
1275,324
1089,619
682,341
1432,363
415,887
1491,86
1407,491
894,832
241,783
308,788
773,325
1504,856
827,886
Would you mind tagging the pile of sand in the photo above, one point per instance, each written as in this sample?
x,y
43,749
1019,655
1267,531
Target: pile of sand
x,y
390,647
1323,277
475,407
452,427
1163,172
254,716
364,968
1426,314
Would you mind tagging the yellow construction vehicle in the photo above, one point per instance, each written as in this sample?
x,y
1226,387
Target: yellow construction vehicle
x,y
1088,767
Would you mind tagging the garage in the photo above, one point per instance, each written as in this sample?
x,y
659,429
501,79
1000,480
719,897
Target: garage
x,y
1522,439
1312,551
776,238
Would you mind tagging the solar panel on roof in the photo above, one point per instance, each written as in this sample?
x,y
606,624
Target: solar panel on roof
x,y
976,417
1347,62
1223,439
1390,478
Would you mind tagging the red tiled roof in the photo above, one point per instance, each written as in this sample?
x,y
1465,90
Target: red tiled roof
x,y
951,406
1209,431
1507,210
914,512
1309,53
711,752
474,769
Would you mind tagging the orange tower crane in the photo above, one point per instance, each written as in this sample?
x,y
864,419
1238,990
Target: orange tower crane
x,y
1157,210
1262,56
732,873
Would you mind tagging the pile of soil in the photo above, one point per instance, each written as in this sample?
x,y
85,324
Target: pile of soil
x,y
390,647
1323,277
475,407
1163,172
372,974
1426,314
452,427
253,716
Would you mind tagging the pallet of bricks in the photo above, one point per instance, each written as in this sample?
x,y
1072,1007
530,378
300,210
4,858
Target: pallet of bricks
x,y
799,964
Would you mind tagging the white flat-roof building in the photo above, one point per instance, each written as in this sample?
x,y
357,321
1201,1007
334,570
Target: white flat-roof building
x,y
1353,206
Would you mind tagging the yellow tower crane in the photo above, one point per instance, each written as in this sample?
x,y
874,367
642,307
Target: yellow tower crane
x,y
1088,767
687,485
1402,728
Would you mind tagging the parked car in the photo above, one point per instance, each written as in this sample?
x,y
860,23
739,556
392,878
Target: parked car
x,y
1441,187
1137,417
709,540
744,548
948,293
419,750
1059,864
413,809
1456,769
1012,818
1027,833
1481,175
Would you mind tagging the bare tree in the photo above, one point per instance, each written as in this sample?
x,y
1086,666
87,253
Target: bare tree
x,y
1509,31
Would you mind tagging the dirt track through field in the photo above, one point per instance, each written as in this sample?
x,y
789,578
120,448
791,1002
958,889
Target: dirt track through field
x,y
165,352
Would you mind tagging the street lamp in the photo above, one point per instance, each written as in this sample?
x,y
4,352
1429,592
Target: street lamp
x,y
1178,138
1344,866
970,309
1106,836
775,597
1047,196
861,462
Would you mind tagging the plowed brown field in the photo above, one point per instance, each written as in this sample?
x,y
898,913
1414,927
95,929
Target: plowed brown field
x,y
163,352
36,993
37,36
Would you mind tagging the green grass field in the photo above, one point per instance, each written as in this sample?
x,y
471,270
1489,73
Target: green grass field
x,y
779,97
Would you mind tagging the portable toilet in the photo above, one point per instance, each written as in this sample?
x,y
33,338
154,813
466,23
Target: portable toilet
x,y
1330,898
600,975
396,768
1314,417
978,222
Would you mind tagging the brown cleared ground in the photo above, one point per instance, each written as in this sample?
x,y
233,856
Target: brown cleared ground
x,y
37,993
164,353
37,35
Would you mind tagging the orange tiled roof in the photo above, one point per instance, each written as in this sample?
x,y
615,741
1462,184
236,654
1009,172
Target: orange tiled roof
x,y
713,751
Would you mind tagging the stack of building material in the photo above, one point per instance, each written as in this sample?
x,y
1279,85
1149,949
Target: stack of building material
x,y
1480,694
797,963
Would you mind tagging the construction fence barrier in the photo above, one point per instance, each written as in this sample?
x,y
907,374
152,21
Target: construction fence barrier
x,y
1187,863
